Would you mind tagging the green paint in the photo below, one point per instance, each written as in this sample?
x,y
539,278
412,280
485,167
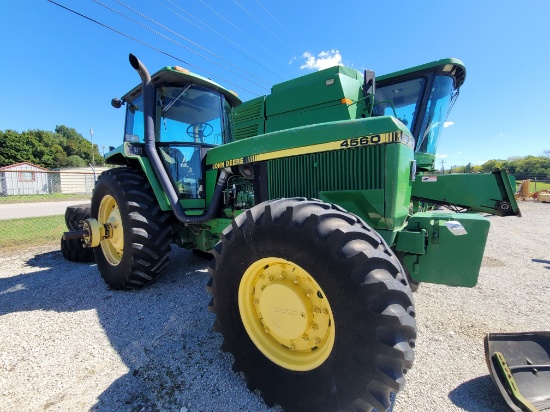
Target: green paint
x,y
450,258
169,74
316,136
398,185
367,204
481,192
301,137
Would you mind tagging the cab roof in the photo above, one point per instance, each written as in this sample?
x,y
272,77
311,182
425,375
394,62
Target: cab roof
x,y
450,67
179,75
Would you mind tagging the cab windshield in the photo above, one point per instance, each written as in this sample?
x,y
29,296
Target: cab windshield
x,y
440,102
424,118
189,120
190,114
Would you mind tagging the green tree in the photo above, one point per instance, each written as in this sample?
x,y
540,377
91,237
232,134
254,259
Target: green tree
x,y
522,166
491,165
14,149
63,148
41,143
73,143
75,161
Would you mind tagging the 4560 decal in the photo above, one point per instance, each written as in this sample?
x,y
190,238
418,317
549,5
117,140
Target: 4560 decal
x,y
361,141
373,139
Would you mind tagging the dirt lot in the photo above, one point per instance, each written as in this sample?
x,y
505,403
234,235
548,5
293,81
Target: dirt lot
x,y
67,342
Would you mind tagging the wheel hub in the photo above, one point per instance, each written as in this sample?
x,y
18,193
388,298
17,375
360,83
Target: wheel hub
x,y
286,314
112,244
284,309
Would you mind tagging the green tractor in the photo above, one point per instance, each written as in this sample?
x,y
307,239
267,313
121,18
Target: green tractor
x,y
319,204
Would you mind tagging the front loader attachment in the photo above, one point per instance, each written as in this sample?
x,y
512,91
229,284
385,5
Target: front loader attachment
x,y
520,367
488,193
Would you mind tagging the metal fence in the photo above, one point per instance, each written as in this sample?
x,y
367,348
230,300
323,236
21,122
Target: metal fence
x,y
33,204
538,184
41,182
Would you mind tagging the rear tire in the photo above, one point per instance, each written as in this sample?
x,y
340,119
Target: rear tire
x,y
322,260
137,252
74,251
74,215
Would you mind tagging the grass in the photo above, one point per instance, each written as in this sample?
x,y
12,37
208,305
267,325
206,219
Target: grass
x,y
540,186
31,231
55,197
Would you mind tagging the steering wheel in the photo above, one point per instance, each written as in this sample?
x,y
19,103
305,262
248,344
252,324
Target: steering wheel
x,y
202,130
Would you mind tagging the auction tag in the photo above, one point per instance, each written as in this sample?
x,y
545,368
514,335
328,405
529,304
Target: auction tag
x,y
456,228
429,178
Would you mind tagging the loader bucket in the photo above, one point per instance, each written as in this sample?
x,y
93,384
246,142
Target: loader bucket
x,y
520,367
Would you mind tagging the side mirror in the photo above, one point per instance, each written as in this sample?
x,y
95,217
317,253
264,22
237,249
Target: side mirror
x,y
116,103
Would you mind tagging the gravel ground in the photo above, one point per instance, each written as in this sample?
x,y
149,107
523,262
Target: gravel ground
x,y
68,343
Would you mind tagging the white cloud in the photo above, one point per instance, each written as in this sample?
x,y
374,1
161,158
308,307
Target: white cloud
x,y
448,124
441,156
324,59
292,60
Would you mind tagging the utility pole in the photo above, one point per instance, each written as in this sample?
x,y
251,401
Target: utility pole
x,y
92,140
442,166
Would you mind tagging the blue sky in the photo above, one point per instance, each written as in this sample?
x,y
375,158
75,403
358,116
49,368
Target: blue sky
x,y
60,68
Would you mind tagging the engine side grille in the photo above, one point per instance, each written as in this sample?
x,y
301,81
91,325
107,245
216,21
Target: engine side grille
x,y
243,132
307,175
250,111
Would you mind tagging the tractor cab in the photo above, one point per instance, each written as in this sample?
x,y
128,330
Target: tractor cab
x,y
421,97
190,118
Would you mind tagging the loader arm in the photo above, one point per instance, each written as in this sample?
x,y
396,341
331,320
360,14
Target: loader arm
x,y
488,193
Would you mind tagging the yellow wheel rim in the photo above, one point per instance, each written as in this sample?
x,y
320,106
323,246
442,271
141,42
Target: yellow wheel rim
x,y
286,314
113,244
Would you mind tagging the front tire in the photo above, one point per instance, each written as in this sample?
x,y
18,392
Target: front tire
x,y
314,307
136,252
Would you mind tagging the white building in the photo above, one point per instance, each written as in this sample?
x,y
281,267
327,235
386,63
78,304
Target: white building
x,y
24,179
79,180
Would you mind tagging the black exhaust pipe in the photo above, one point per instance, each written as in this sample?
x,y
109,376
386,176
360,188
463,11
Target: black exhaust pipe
x,y
148,91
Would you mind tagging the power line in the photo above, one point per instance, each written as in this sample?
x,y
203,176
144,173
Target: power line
x,y
179,44
277,20
261,24
251,38
258,61
193,43
151,47
184,18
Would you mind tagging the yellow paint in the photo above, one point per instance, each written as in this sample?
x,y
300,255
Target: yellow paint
x,y
362,141
286,314
113,245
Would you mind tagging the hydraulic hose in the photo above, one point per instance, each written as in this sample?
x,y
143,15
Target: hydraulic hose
x,y
148,91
